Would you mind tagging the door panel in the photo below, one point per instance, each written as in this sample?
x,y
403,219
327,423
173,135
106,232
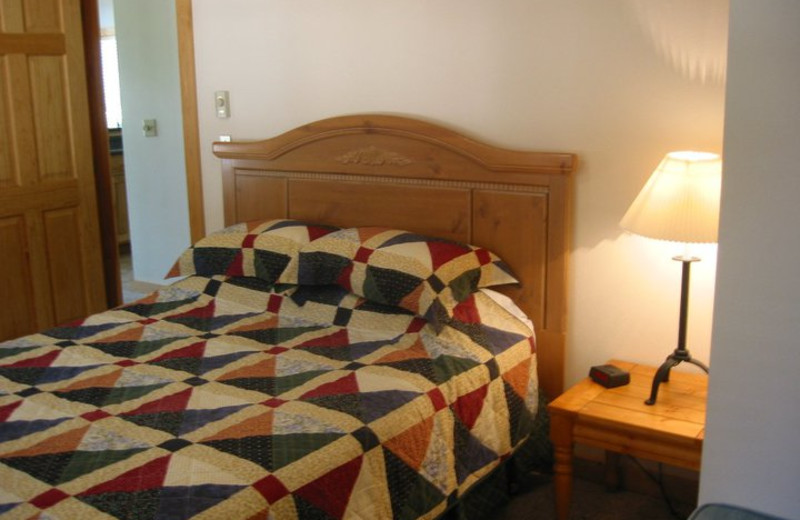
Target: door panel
x,y
18,314
42,16
64,264
51,266
6,158
50,106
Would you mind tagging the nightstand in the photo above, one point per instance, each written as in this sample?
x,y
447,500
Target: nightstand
x,y
617,420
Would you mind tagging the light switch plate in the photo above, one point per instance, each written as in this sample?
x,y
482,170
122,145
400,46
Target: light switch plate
x,y
223,104
150,128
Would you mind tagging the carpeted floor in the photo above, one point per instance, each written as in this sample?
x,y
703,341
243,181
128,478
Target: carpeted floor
x,y
591,500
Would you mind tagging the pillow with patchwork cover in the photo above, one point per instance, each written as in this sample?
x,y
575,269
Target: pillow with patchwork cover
x,y
425,275
261,249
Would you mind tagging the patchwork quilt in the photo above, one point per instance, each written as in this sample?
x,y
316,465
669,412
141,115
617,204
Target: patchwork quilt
x,y
219,398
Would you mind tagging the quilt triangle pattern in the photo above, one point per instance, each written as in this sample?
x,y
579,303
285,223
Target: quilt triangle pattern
x,y
12,430
290,448
412,445
213,396
149,476
186,359
194,419
169,422
132,349
99,396
210,363
476,454
446,367
275,336
29,371
164,414
60,459
75,331
306,509
125,505
424,367
411,493
520,418
366,406
47,467
85,462
147,309
331,491
13,351
468,407
183,502
8,409
205,318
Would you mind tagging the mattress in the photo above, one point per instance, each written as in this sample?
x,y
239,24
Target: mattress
x,y
224,397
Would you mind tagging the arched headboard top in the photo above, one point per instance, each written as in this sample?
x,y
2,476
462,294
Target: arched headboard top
x,y
490,157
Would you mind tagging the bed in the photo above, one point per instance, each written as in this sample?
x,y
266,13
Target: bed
x,y
354,344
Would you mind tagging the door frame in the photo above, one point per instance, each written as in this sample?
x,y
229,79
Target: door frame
x,y
191,137
90,18
191,125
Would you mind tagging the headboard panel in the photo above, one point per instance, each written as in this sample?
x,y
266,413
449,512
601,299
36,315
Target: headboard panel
x,y
407,174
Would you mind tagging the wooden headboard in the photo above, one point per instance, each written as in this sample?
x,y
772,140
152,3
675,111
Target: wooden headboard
x,y
407,174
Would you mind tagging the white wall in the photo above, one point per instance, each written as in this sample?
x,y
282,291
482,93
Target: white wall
x,y
155,172
601,79
751,455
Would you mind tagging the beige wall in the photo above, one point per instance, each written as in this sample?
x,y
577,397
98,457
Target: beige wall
x,y
751,456
602,79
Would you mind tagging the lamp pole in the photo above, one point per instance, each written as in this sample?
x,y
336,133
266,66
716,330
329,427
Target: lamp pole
x,y
680,354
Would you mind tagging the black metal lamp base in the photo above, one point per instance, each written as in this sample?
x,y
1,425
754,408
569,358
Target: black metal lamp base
x,y
662,375
680,354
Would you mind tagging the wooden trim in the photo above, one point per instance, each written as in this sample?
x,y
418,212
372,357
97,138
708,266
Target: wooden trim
x,y
102,168
191,134
88,226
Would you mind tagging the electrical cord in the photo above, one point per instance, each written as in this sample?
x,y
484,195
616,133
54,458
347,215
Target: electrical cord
x,y
659,480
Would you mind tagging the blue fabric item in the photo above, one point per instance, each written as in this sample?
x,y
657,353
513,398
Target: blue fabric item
x,y
728,512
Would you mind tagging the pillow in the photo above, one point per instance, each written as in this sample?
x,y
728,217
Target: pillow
x,y
261,249
425,275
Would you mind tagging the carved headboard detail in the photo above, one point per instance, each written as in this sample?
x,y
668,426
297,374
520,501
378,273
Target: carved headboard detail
x,y
372,156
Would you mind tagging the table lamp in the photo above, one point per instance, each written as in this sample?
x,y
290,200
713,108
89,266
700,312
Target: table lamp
x,y
680,203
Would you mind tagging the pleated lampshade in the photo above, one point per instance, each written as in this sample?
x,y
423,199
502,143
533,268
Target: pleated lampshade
x,y
680,201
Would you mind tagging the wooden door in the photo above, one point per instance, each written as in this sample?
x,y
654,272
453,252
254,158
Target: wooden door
x,y
50,259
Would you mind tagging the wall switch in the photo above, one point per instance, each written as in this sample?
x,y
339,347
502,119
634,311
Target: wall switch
x,y
223,104
150,128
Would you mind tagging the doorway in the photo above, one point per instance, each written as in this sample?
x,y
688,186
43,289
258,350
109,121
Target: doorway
x,y
155,181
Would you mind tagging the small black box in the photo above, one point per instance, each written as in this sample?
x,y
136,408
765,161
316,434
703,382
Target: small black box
x,y
609,376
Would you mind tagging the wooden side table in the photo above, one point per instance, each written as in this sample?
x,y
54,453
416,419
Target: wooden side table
x,y
617,420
